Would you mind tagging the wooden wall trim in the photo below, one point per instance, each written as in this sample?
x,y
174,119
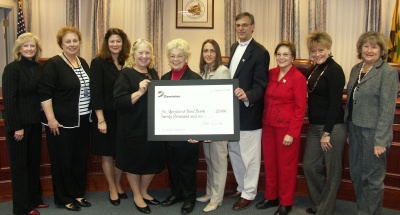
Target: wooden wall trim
x,y
97,182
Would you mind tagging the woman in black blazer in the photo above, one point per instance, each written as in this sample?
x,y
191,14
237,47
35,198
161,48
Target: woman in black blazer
x,y
22,124
182,156
105,69
65,96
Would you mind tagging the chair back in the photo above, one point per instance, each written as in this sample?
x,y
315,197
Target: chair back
x,y
303,65
225,60
397,67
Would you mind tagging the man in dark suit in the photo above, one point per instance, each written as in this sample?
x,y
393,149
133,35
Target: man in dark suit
x,y
249,63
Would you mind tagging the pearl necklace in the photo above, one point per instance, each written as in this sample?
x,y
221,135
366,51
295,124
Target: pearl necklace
x,y
362,68
359,78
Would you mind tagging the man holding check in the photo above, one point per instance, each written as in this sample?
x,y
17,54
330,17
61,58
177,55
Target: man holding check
x,y
249,63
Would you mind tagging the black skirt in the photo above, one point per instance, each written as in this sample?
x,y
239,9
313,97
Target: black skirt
x,y
104,144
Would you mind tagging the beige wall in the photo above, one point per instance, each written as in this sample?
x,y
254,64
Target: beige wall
x,y
7,3
195,37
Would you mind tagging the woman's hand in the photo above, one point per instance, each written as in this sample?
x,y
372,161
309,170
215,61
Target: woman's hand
x,y
287,140
54,125
378,150
143,85
193,141
325,143
18,135
102,127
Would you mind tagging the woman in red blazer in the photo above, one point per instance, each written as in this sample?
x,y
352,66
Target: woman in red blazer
x,y
284,109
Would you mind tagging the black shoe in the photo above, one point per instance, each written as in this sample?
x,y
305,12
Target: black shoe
x,y
170,200
145,210
283,210
152,202
265,203
72,207
311,211
188,206
114,202
83,203
122,195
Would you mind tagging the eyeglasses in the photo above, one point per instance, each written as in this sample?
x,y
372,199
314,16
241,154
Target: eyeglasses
x,y
285,55
179,57
244,25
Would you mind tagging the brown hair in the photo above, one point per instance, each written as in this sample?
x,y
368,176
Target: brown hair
x,y
218,58
288,44
104,51
241,15
374,38
64,30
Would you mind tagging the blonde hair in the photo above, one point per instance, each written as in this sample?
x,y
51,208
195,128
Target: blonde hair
x,y
180,44
130,62
21,40
319,38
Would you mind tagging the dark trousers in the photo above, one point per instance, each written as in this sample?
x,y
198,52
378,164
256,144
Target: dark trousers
x,y
366,170
24,158
182,163
323,191
68,155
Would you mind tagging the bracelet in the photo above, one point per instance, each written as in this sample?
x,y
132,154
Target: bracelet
x,y
326,134
101,122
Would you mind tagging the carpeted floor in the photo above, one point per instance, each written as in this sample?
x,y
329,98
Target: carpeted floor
x,y
101,206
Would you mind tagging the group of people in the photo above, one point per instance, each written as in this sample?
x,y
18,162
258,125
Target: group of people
x,y
62,94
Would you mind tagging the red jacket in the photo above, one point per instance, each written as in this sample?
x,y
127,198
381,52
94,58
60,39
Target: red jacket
x,y
285,100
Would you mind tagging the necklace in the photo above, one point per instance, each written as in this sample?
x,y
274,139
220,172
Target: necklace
x,y
359,77
77,61
362,68
316,82
78,72
145,73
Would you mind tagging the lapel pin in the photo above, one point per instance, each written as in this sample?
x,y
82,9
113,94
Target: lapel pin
x,y
284,80
243,60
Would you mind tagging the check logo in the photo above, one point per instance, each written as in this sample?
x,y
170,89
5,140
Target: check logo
x,y
160,93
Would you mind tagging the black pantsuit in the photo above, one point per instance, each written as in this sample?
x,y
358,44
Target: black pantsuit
x,y
182,162
22,112
68,154
182,156
24,158
70,149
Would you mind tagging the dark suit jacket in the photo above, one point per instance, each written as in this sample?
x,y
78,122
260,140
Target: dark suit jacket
x,y
102,79
20,94
187,75
60,83
252,73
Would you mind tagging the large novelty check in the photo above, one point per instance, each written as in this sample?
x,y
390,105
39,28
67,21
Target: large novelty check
x,y
193,109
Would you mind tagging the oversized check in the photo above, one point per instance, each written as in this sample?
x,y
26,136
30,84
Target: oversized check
x,y
193,109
